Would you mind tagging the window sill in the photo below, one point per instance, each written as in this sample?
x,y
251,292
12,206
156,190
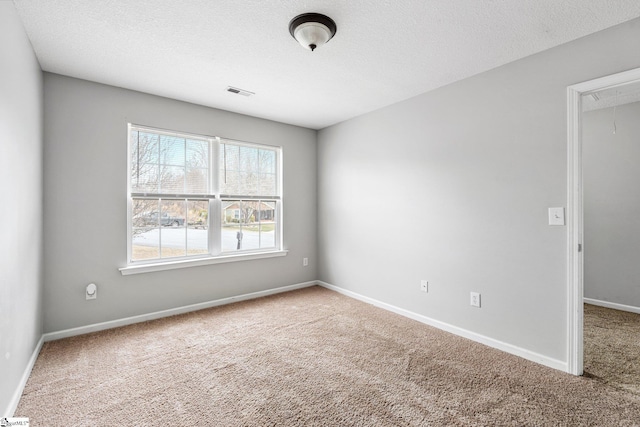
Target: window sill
x,y
184,263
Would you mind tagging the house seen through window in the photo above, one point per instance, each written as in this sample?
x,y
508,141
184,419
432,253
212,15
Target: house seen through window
x,y
196,196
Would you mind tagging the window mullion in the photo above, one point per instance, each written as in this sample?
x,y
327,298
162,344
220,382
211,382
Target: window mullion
x,y
215,205
129,199
278,223
159,178
159,228
214,163
186,226
259,221
184,181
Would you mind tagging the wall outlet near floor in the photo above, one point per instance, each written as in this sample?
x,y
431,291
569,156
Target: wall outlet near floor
x,y
475,299
424,286
305,262
91,292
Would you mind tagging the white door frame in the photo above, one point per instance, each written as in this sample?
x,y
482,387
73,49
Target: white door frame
x,y
575,257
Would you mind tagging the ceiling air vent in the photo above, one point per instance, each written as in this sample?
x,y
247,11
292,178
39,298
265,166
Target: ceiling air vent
x,y
239,91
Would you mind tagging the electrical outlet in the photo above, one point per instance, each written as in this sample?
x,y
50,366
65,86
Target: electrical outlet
x,y
91,291
475,299
424,286
305,262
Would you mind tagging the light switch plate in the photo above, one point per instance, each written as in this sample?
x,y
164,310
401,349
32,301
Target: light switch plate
x,y
556,216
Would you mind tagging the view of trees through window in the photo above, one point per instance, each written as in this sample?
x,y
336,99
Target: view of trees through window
x,y
173,194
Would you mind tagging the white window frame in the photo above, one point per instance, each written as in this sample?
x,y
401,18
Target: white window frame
x,y
215,198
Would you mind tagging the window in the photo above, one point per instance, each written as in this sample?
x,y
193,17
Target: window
x,y
195,197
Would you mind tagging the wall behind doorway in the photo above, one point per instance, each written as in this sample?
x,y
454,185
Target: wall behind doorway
x,y
612,205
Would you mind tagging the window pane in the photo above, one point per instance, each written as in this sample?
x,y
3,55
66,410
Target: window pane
x,y
247,171
145,231
168,164
197,227
231,219
248,225
197,181
173,231
248,183
268,184
230,182
144,162
267,225
229,168
197,153
251,225
172,150
267,161
267,173
197,166
171,179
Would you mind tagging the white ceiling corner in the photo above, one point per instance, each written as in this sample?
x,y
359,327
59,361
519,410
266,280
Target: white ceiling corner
x,y
383,52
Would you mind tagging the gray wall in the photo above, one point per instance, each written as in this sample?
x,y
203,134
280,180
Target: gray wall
x,y
21,206
453,186
85,205
612,205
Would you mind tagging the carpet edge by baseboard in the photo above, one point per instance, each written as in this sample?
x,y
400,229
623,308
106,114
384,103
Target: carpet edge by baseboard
x,y
51,336
17,394
482,339
613,305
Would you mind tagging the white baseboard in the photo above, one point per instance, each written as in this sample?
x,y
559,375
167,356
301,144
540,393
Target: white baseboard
x,y
51,336
614,305
13,404
508,348
526,354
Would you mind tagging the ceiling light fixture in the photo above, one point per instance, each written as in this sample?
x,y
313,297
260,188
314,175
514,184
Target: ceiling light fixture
x,y
312,30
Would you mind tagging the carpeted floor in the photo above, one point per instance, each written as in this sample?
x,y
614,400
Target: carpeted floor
x,y
310,357
612,347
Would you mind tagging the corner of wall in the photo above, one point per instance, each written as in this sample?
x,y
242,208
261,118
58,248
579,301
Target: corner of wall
x,y
21,184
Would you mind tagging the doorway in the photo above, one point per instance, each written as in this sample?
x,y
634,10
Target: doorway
x,y
575,209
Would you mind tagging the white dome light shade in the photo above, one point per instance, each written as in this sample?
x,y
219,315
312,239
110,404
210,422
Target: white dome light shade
x,y
311,35
312,29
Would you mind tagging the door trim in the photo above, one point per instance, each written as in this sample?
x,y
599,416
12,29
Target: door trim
x,y
575,226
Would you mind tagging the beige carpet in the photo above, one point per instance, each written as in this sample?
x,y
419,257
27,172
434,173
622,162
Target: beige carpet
x,y
612,347
306,358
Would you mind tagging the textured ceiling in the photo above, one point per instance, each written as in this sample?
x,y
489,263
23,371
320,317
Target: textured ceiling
x,y
384,51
